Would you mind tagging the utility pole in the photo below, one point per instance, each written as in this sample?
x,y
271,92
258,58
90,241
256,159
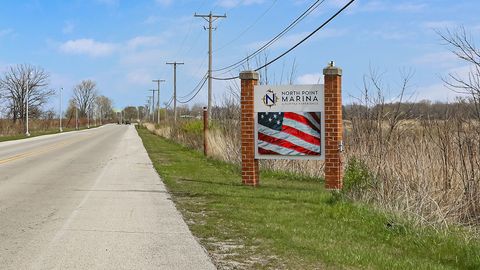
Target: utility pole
x,y
210,18
147,108
76,116
27,133
175,89
158,99
153,104
60,115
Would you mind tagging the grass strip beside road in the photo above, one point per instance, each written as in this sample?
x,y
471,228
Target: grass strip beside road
x,y
293,223
39,133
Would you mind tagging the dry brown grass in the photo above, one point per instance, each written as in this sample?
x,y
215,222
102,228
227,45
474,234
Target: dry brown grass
x,y
428,170
8,128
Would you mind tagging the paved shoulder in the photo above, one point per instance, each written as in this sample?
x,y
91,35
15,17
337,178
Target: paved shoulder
x,y
126,221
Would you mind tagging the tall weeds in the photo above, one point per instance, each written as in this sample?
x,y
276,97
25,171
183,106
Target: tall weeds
x,y
426,168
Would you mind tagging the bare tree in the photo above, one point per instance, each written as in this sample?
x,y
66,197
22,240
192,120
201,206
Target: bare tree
x,y
15,83
463,46
84,95
70,112
104,106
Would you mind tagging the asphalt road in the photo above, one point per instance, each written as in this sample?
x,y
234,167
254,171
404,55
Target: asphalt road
x,y
89,200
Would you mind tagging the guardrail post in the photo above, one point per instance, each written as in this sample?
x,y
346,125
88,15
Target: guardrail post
x,y
250,172
333,127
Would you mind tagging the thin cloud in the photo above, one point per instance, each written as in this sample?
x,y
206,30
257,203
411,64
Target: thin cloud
x,y
138,46
410,7
444,59
144,41
88,47
235,3
436,92
439,91
164,2
151,20
378,6
139,76
438,24
145,58
310,78
5,32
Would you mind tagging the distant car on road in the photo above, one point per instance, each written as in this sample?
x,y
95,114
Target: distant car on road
x,y
127,122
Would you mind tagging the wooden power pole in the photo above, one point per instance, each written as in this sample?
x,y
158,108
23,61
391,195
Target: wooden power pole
x,y
158,100
174,89
210,18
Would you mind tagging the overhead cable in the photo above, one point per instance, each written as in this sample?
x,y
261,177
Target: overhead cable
x,y
299,43
307,37
198,91
312,7
195,88
248,28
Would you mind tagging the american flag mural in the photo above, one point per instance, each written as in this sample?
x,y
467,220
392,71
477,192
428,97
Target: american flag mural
x,y
289,133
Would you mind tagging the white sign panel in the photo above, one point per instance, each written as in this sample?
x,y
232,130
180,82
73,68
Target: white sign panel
x,y
289,122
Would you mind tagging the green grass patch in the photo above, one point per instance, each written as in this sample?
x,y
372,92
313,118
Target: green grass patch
x,y
293,223
195,126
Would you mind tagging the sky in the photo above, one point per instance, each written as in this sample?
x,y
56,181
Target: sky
x,y
124,45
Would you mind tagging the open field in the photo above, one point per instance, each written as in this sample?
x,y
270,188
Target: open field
x,y
291,222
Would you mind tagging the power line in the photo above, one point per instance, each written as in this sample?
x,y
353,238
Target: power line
x,y
201,66
195,88
225,79
180,48
169,102
299,43
198,91
307,37
307,12
248,28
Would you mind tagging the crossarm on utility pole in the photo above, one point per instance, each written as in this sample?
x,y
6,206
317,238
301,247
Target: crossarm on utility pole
x,y
210,18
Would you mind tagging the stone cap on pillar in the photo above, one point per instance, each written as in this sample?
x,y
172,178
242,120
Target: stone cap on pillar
x,y
332,70
249,75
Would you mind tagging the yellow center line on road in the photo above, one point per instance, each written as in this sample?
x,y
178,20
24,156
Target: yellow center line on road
x,y
42,150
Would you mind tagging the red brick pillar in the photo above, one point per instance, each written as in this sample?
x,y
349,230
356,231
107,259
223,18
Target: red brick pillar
x,y
333,127
250,175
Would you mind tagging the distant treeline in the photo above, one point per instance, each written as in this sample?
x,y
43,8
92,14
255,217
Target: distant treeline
x,y
424,109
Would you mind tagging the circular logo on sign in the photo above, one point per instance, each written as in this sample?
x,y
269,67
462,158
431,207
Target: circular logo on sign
x,y
270,98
